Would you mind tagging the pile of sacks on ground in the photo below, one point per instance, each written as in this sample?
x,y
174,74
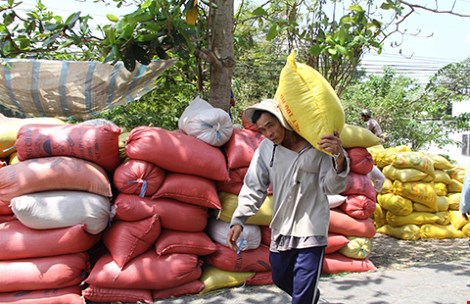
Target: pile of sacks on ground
x,y
420,197
90,213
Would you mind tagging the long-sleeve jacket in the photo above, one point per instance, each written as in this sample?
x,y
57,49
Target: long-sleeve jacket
x,y
465,196
300,183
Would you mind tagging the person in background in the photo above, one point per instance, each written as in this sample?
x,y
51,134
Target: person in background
x,y
465,196
372,124
301,177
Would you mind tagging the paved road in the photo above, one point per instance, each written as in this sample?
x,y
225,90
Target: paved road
x,y
443,283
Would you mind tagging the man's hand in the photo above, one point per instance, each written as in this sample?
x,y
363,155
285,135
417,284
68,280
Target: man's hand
x,y
332,144
233,235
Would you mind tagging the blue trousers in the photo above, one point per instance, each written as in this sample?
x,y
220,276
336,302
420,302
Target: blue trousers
x,y
297,272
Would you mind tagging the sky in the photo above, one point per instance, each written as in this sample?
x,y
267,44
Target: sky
x,y
422,55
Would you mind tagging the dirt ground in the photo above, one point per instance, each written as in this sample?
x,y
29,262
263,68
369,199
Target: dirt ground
x,y
390,253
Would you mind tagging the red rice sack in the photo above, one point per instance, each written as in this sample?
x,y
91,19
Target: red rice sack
x,y
335,242
361,160
197,243
177,152
66,295
58,209
189,189
359,184
260,278
43,273
53,173
249,260
337,263
19,241
126,240
111,295
98,144
147,271
358,206
5,209
344,224
174,215
265,235
190,288
235,182
129,208
138,177
241,147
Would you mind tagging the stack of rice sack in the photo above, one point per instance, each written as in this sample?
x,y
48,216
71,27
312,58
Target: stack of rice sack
x,y
350,219
166,188
419,199
59,193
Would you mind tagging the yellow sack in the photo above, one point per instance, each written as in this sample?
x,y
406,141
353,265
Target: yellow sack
x,y
13,158
441,177
414,160
357,248
454,186
422,208
379,216
466,230
444,218
440,162
454,200
215,278
308,102
354,136
404,175
387,187
229,203
457,220
419,192
457,173
440,188
415,218
395,203
406,232
432,231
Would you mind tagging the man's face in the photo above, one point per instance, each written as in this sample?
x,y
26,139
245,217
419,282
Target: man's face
x,y
271,128
365,118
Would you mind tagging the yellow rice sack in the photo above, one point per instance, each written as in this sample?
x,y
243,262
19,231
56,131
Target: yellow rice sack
x,y
444,218
466,230
454,186
441,177
355,136
440,162
415,218
414,160
404,175
308,102
454,200
214,278
395,203
406,232
433,231
457,220
419,192
379,216
357,248
440,188
229,203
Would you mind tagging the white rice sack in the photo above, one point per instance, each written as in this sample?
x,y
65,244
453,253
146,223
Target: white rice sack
x,y
377,178
58,209
336,200
201,120
249,239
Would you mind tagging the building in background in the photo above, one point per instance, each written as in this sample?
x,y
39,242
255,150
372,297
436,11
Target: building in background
x,y
461,154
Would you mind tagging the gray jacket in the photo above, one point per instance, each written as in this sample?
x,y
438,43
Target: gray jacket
x,y
300,183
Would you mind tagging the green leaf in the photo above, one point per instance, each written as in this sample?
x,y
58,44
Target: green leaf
x,y
72,19
259,11
112,18
272,32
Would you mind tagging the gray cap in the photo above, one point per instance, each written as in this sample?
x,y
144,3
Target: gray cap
x,y
268,105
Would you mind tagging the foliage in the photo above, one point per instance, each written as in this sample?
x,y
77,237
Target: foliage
x,y
404,110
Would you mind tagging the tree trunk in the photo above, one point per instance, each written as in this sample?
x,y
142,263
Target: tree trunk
x,y
221,47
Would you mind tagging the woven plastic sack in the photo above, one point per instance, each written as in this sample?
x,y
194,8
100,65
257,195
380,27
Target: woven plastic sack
x,y
201,120
308,102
